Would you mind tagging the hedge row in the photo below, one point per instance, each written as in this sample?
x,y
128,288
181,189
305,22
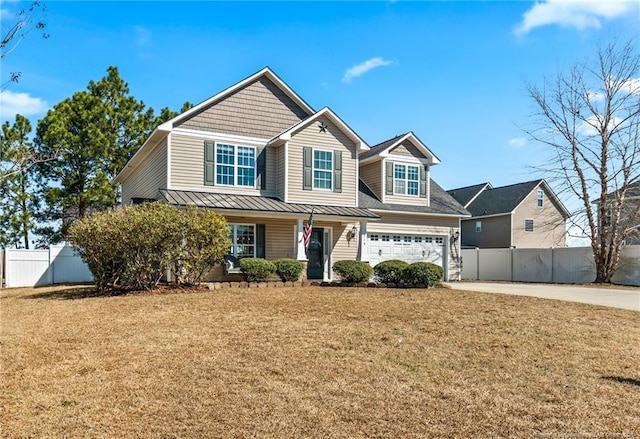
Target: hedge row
x,y
259,270
393,271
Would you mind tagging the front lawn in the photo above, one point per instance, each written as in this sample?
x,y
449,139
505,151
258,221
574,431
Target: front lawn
x,y
315,362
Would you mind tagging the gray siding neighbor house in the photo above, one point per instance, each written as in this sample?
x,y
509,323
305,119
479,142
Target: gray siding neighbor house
x,y
523,215
261,156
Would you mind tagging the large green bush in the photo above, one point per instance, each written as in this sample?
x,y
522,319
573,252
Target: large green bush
x,y
353,271
136,245
423,273
257,269
289,270
390,271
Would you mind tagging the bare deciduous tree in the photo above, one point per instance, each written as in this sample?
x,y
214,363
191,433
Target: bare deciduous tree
x,y
16,28
590,118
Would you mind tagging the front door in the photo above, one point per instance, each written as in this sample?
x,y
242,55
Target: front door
x,y
315,255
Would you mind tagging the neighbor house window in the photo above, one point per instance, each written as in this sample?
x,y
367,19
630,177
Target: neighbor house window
x,y
322,169
235,165
478,226
405,179
540,198
243,240
528,225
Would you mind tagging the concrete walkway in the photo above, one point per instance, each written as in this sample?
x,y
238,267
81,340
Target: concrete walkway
x,y
610,296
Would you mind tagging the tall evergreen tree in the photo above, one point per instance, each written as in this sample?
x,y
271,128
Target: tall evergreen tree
x,y
92,135
18,203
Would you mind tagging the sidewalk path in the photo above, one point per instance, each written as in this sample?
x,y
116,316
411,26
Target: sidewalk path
x,y
610,296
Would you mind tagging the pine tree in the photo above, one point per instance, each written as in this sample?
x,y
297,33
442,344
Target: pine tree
x,y
19,204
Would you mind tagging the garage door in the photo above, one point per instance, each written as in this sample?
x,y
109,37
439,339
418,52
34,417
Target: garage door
x,y
408,248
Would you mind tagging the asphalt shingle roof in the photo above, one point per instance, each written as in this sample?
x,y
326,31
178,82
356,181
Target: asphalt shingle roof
x,y
376,149
465,194
501,200
441,202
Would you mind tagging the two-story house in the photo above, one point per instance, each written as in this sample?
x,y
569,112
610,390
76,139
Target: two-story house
x,y
261,156
523,215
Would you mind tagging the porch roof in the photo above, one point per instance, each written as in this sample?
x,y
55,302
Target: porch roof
x,y
252,203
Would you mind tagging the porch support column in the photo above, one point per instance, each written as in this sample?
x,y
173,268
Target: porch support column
x,y
363,243
301,255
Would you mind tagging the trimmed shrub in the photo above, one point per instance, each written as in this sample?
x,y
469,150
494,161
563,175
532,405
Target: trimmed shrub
x,y
390,271
353,271
289,270
423,273
136,245
257,269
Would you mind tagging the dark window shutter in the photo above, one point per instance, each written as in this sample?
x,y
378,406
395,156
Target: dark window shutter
x,y
423,181
389,179
209,163
261,168
260,241
307,159
337,171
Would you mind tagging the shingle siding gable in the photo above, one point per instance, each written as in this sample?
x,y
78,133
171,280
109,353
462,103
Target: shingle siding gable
x,y
260,109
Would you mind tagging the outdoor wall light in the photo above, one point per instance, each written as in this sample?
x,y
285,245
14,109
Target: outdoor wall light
x,y
351,234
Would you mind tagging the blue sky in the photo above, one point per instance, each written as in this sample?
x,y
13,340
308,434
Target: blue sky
x,y
454,73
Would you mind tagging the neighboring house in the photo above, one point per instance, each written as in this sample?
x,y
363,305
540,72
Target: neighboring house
x,y
630,211
261,156
523,215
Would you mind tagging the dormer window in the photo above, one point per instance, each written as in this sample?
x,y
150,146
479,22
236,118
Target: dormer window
x,y
406,180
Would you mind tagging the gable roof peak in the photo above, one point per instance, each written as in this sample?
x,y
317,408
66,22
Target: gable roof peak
x,y
382,149
264,72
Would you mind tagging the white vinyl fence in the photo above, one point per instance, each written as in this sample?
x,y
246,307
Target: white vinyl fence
x,y
551,265
34,268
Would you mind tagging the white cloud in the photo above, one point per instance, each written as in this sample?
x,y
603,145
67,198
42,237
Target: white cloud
x,y
20,103
362,68
6,14
143,35
632,86
518,142
579,14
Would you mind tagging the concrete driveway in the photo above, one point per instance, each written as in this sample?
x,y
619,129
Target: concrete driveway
x,y
609,296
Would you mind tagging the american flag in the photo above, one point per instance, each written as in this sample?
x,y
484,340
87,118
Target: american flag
x,y
306,234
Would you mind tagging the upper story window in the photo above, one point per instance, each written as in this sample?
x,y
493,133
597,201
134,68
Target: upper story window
x,y
478,226
226,164
540,198
235,165
322,169
406,179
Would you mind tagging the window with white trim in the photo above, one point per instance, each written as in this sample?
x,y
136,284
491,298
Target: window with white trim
x,y
528,225
322,169
374,237
439,240
243,240
385,238
396,238
406,179
478,226
235,165
540,198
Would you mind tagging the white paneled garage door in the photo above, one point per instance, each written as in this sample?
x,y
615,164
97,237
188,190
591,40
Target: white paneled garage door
x,y
408,248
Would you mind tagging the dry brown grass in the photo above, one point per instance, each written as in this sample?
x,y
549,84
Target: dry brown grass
x,y
315,362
